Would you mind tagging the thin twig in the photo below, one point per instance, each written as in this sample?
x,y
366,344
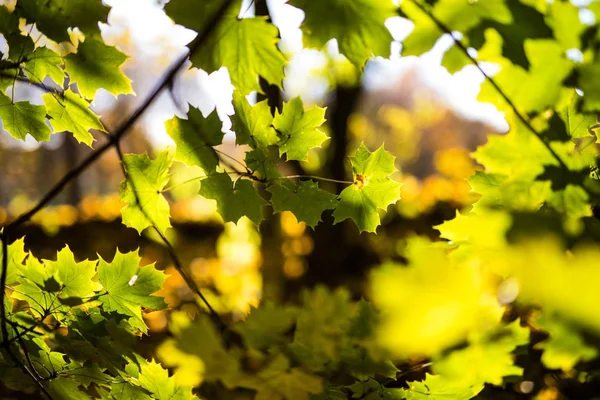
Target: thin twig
x,y
4,321
9,229
491,80
124,128
317,178
178,265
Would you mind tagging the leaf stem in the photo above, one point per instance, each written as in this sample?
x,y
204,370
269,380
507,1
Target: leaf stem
x,y
196,178
317,178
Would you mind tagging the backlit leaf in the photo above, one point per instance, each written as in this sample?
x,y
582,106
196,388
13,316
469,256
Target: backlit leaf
x,y
372,189
141,191
299,129
234,199
125,295
304,199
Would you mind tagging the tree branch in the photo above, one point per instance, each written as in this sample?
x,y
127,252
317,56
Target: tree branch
x,y
163,83
491,80
178,264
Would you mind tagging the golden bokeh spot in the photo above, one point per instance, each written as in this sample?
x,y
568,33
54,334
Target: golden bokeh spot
x,y
359,125
551,393
290,225
294,267
454,163
157,320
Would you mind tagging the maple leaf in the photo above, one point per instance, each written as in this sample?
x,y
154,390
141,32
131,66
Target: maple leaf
x,y
195,138
155,379
260,162
440,388
97,66
44,62
246,46
234,200
277,382
54,17
299,129
16,256
357,25
253,124
200,338
70,112
146,205
125,294
305,200
75,279
266,325
372,189
20,118
565,347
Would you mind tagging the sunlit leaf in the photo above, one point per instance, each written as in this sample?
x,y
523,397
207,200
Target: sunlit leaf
x,y
357,25
234,199
304,199
126,295
299,129
142,191
372,189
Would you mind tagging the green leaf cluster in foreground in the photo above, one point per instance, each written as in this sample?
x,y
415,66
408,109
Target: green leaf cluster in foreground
x,y
506,294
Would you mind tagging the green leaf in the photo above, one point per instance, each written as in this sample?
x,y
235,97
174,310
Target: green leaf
x,y
321,329
534,89
234,200
130,287
38,287
372,189
578,125
200,338
70,112
42,63
260,162
97,66
16,256
19,46
527,23
149,178
266,325
305,200
21,118
155,379
488,186
75,278
253,124
440,388
518,154
357,25
565,347
299,129
278,382
9,21
54,17
589,82
486,361
564,20
195,138
247,46
456,16
64,388
127,391
373,390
